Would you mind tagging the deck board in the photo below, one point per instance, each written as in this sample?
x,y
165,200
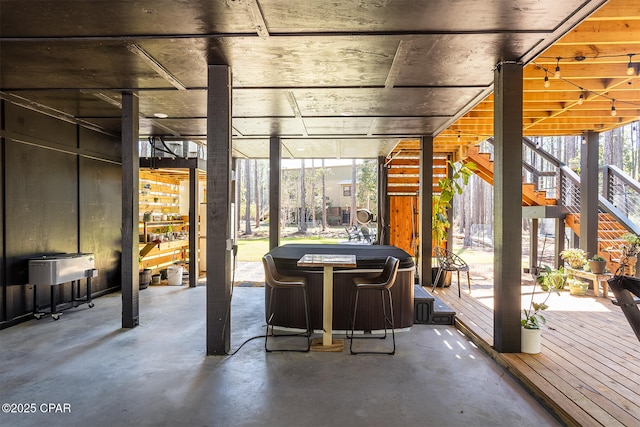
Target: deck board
x,y
589,369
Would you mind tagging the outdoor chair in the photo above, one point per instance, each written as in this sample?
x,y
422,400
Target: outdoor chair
x,y
381,283
353,233
448,261
275,280
366,234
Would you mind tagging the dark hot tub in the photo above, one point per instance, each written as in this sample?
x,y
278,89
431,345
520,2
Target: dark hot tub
x,y
289,310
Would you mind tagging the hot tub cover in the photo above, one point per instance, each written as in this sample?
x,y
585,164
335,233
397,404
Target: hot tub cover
x,y
367,256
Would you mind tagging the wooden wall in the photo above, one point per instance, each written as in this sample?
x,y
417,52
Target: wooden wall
x,y
404,223
62,194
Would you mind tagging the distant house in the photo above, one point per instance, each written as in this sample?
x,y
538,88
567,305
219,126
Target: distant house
x,y
338,193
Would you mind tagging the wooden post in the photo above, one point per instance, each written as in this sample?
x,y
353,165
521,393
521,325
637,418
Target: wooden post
x,y
194,235
426,208
218,209
130,278
275,160
589,193
507,207
533,246
383,202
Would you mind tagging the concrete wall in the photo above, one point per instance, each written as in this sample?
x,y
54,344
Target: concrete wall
x,y
61,188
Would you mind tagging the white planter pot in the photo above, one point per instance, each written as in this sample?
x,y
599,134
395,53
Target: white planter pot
x,y
530,341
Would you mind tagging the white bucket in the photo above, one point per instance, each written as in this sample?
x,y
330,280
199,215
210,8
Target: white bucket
x,y
174,275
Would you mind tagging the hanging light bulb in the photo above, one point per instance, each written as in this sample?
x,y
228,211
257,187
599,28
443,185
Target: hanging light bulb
x,y
546,80
458,136
613,108
557,73
581,98
630,69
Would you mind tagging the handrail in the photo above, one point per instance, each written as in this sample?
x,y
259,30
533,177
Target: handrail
x,y
623,177
542,152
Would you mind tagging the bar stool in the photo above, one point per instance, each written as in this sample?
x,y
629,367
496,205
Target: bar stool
x,y
381,283
275,281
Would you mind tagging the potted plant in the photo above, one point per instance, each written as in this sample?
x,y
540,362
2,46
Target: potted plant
x,y
576,286
597,264
630,250
533,318
551,279
441,203
576,257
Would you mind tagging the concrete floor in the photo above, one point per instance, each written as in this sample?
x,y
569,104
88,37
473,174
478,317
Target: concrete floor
x,y
158,375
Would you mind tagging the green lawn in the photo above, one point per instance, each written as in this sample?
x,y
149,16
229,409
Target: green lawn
x,y
254,249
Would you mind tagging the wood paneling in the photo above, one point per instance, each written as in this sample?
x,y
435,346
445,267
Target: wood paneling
x,y
403,220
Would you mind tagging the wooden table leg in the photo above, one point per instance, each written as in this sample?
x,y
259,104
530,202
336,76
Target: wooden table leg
x,y
327,306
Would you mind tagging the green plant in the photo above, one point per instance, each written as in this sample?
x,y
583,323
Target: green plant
x,y
551,279
533,318
631,247
597,258
576,257
441,203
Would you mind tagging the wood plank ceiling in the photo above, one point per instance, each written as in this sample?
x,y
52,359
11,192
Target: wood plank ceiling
x,y
335,79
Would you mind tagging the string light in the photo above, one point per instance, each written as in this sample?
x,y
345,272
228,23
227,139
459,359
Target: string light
x,y
458,136
613,108
581,98
630,69
557,73
546,79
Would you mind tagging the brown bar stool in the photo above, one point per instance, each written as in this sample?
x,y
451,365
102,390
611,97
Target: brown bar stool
x,y
381,283
275,281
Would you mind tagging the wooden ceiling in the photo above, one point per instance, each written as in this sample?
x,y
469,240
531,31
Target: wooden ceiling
x,y
593,60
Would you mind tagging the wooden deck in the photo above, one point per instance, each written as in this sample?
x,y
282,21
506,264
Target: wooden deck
x,y
588,372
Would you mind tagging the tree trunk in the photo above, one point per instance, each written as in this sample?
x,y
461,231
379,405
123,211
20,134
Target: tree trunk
x,y
324,199
247,213
302,219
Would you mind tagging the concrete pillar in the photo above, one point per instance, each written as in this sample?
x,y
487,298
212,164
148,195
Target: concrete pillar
x,y
426,208
218,209
275,164
589,193
507,206
130,211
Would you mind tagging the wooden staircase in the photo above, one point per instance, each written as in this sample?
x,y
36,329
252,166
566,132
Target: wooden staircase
x,y
530,195
610,232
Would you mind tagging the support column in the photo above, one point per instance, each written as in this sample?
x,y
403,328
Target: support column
x,y
383,202
130,211
589,193
218,209
450,211
533,246
426,209
275,162
194,234
507,207
559,243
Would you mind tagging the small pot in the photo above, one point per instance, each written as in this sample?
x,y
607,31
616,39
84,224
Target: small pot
x,y
530,341
597,267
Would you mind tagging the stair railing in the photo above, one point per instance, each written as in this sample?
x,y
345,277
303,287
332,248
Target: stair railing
x,y
622,193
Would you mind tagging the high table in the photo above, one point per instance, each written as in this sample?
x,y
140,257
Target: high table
x,y
327,261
